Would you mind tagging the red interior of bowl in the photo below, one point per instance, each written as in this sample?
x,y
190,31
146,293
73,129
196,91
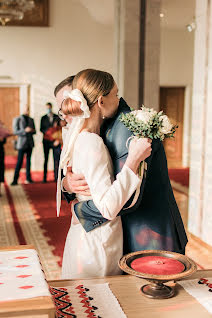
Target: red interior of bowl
x,y
157,265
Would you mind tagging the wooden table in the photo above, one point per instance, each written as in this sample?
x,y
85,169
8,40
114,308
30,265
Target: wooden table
x,y
127,290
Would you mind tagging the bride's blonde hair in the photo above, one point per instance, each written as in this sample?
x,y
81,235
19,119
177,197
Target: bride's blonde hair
x,y
93,84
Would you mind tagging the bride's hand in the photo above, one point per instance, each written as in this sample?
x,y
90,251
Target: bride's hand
x,y
139,150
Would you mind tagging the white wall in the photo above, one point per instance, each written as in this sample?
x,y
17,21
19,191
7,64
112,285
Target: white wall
x,y
81,35
44,56
176,57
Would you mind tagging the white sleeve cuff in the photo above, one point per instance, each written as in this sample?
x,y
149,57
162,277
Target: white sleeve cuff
x,y
136,177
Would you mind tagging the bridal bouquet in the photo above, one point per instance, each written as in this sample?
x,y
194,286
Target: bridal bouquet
x,y
147,123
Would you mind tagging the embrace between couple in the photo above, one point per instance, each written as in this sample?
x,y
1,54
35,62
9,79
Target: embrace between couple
x,y
141,210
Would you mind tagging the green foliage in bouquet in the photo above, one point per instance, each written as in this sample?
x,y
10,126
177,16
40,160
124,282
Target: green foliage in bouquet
x,y
148,123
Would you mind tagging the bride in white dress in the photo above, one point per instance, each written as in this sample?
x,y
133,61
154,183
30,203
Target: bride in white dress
x,y
96,253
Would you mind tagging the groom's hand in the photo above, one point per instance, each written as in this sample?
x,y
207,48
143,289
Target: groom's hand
x,y
75,183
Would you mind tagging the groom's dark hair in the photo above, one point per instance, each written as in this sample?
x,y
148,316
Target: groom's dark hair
x,y
67,81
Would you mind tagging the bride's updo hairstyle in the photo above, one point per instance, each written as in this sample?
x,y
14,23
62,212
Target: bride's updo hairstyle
x,y
93,84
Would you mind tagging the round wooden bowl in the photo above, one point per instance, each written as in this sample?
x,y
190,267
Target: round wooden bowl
x,y
156,288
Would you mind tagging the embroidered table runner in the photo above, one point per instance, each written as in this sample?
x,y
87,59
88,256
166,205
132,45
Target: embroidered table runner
x,y
21,276
201,289
86,300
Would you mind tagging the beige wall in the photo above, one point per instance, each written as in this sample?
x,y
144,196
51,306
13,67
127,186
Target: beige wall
x,y
81,34
176,57
44,56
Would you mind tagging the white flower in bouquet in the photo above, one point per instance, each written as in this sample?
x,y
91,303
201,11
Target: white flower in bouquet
x,y
144,114
148,123
166,125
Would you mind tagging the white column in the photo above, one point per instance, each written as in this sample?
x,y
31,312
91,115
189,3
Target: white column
x,y
207,176
200,189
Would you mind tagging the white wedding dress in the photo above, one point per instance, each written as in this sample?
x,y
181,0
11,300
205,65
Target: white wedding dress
x,y
96,253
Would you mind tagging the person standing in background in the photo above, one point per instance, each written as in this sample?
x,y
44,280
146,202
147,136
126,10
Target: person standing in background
x,y
2,142
24,128
46,122
54,134
4,133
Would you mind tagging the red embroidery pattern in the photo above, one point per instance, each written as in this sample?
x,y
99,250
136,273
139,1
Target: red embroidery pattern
x,y
26,287
22,266
205,282
85,299
64,308
23,276
20,257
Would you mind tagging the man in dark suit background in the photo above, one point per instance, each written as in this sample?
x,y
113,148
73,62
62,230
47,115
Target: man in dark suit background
x,y
154,221
24,128
46,122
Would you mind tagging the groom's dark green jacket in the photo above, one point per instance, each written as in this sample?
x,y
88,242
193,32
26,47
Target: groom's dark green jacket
x,y
154,222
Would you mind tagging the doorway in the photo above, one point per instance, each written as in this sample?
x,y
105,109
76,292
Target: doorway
x,y
9,109
172,103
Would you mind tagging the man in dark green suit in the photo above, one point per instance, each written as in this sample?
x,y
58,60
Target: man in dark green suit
x,y
154,221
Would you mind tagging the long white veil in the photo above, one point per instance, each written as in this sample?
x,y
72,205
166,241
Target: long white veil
x,y
70,138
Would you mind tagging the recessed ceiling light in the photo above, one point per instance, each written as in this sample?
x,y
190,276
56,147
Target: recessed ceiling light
x,y
161,15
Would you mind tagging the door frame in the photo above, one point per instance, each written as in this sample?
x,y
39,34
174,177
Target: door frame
x,y
187,126
186,122
24,95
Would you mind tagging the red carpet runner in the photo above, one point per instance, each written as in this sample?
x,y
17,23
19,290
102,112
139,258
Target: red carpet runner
x,y
180,175
41,201
17,225
10,162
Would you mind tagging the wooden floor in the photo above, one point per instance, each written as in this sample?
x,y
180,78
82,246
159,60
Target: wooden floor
x,y
200,252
